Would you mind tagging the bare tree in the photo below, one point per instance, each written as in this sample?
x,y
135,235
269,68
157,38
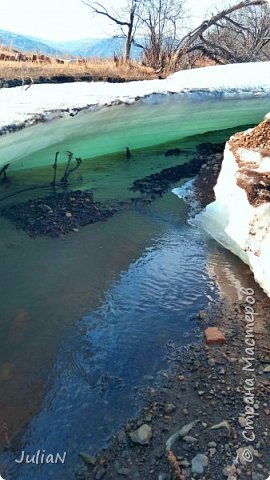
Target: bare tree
x,y
161,23
125,19
241,37
196,40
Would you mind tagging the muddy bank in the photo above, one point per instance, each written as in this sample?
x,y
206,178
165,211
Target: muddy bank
x,y
157,184
57,214
18,82
194,426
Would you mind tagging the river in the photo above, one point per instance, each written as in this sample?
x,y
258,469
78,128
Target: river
x,y
85,318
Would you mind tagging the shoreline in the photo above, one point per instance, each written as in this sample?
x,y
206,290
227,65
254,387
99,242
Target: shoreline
x,y
204,387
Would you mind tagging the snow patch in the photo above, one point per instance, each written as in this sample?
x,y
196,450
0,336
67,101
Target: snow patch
x,y
234,222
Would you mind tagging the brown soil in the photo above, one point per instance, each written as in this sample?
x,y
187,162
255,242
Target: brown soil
x,y
258,138
255,183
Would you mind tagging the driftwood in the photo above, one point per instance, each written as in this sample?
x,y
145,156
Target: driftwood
x,y
69,170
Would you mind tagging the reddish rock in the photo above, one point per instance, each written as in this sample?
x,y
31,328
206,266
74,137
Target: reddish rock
x,y
214,335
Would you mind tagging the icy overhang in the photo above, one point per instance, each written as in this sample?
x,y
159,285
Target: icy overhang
x,y
99,118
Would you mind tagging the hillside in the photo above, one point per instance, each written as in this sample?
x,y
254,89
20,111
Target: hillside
x,y
88,47
26,44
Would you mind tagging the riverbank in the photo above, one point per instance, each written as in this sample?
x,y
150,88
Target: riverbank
x,y
204,402
209,418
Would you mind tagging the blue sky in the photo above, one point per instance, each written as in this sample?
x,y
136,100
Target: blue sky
x,y
70,19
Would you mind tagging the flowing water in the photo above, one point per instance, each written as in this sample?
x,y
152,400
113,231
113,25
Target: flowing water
x,y
85,319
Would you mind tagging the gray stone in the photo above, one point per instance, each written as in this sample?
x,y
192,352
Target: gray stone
x,y
242,421
257,476
189,439
184,463
199,463
212,445
169,408
100,473
142,436
163,476
227,470
124,471
121,437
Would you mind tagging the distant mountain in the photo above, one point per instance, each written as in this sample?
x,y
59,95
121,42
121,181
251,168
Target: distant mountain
x,y
25,43
95,47
88,47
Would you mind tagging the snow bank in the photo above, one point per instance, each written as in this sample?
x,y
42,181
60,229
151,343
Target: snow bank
x,y
239,219
93,119
18,105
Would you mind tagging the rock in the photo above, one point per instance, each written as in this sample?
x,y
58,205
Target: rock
x,y
214,335
86,459
223,424
142,436
68,215
267,369
181,433
227,470
122,437
212,445
148,417
212,451
124,471
199,463
163,476
245,455
211,362
169,408
257,476
242,421
190,440
184,463
100,473
185,411
202,315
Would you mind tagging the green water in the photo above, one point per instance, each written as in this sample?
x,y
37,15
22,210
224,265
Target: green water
x,y
139,126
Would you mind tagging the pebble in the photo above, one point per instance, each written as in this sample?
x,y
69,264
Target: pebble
x,y
242,422
227,470
184,463
257,476
185,411
124,471
199,463
100,473
212,445
142,436
169,408
189,439
163,476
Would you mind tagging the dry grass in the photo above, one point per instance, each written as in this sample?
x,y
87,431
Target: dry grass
x,y
98,69
90,69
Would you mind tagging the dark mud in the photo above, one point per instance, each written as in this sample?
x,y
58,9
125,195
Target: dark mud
x,y
57,214
17,82
157,184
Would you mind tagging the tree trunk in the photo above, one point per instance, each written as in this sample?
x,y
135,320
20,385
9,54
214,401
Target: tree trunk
x,y
129,35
